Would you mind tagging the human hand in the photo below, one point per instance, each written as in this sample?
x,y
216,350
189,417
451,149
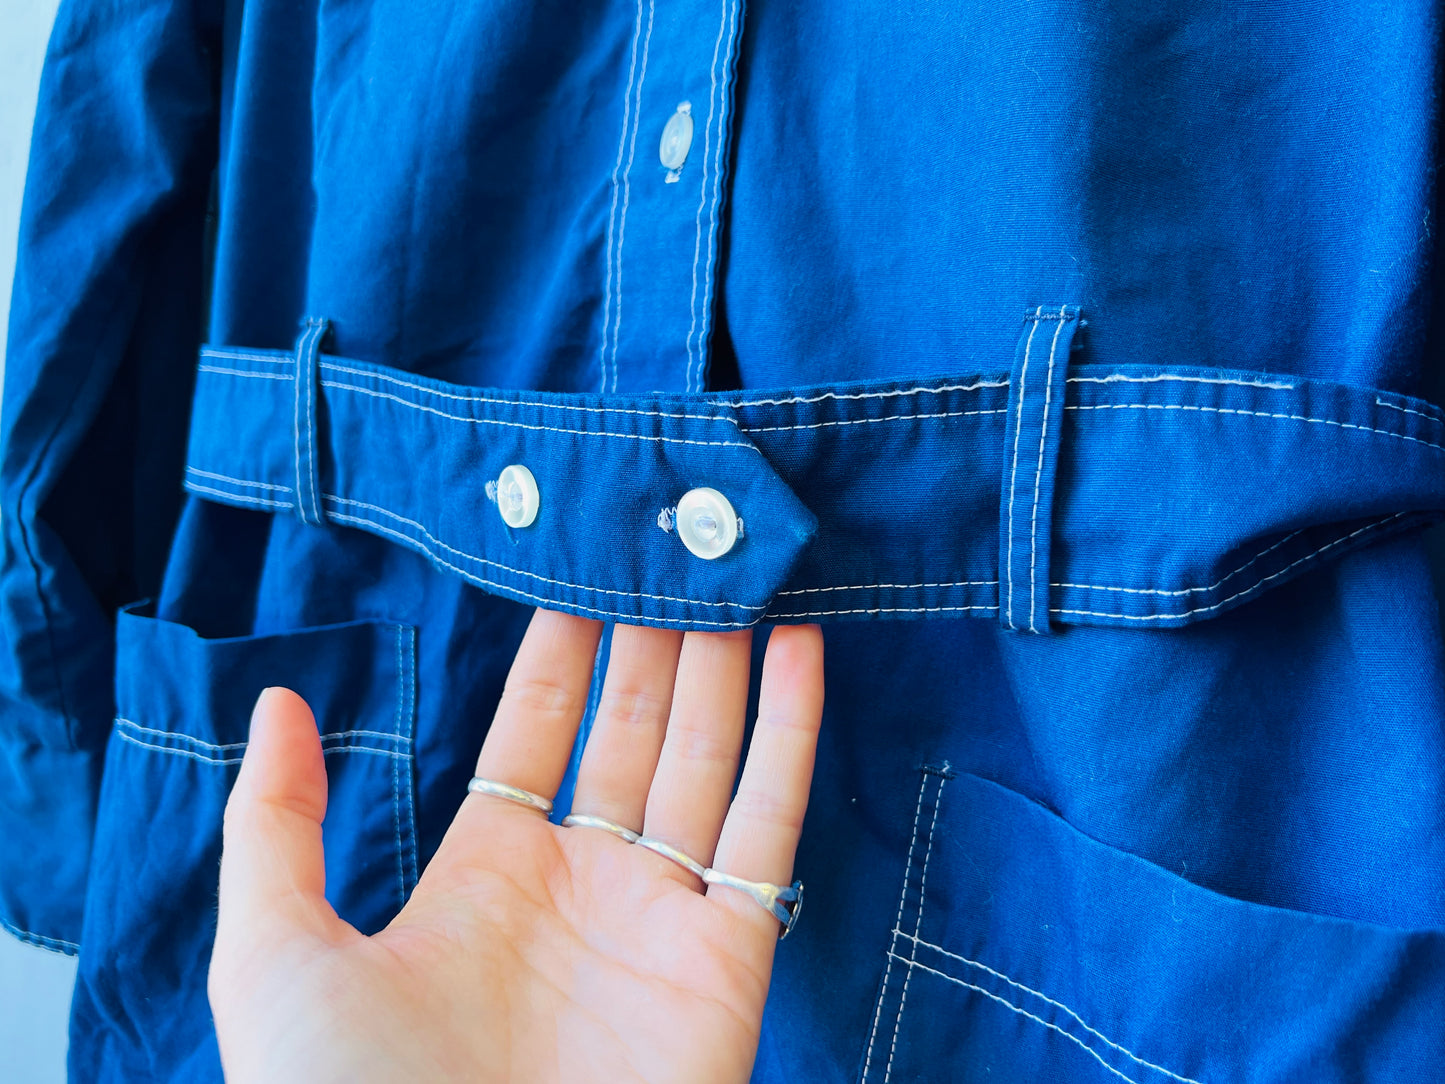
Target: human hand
x,y
528,951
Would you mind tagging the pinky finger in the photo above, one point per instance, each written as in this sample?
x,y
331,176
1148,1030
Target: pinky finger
x,y
760,835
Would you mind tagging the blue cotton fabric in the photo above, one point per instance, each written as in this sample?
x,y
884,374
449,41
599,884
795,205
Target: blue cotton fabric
x,y
1075,365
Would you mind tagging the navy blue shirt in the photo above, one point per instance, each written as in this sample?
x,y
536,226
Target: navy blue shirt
x,y
1070,362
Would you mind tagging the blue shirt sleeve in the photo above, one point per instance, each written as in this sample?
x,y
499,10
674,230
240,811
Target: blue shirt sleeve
x,y
106,312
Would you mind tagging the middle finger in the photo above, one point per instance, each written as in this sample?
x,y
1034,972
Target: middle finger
x,y
699,761
622,750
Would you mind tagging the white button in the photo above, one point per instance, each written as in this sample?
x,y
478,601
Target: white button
x,y
706,523
517,497
677,137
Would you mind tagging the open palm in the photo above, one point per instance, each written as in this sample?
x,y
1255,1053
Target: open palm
x,y
528,951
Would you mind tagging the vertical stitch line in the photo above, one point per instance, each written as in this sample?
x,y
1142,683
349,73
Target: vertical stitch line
x,y
917,926
411,844
1014,474
702,189
313,468
627,186
305,374
296,418
395,776
612,211
897,925
1038,476
696,376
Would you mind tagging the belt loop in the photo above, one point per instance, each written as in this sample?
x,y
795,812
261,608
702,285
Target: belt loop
x,y
1031,454
314,330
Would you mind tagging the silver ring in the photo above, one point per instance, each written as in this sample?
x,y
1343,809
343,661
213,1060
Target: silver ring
x,y
478,785
668,851
584,820
775,899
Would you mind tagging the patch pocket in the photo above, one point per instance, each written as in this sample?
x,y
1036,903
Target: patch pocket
x,y
1023,950
183,716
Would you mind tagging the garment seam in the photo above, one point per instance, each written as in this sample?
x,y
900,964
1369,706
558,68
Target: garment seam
x,y
537,428
229,746
712,101
1050,1001
1188,590
196,487
39,940
627,188
882,610
285,359
492,401
242,372
296,421
699,378
517,592
612,211
867,421
897,921
887,586
901,392
918,921
279,357
1406,410
1260,583
1038,478
912,964
313,468
1014,473
396,780
326,750
1124,378
1256,414
410,775
237,481
735,404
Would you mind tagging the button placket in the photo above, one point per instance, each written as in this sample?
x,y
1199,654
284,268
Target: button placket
x,y
660,286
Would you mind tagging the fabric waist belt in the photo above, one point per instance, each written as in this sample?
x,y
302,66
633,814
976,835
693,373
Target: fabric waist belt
x,y
1138,496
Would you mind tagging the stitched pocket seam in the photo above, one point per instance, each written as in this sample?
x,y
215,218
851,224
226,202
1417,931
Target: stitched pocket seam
x,y
948,961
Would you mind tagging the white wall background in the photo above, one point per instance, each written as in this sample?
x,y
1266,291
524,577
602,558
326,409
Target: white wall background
x,y
35,984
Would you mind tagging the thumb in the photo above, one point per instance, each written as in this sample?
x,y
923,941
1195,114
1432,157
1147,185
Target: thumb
x,y
273,875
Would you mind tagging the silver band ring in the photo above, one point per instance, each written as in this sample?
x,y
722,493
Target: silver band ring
x,y
668,851
478,785
585,820
772,898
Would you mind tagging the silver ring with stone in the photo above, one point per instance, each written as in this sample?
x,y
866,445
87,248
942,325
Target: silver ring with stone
x,y
782,902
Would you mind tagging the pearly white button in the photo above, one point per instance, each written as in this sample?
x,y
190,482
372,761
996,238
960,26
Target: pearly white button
x,y
517,496
706,523
676,138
